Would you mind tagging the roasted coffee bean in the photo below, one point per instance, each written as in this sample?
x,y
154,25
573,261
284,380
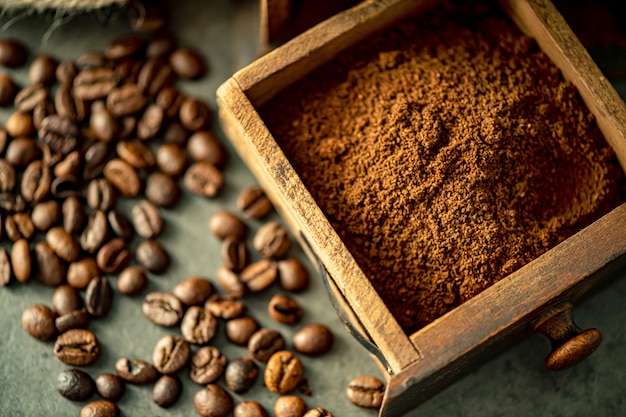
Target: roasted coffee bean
x,y
8,90
259,275
77,347
100,408
91,60
63,244
67,186
207,365
69,106
289,406
213,401
19,226
271,240
100,195
42,70
65,299
151,122
20,123
187,63
171,354
194,114
13,53
318,412
46,215
170,99
171,159
225,224
77,319
22,151
167,390
103,125
160,44
11,203
234,254
75,385
136,153
66,72
249,409
96,157
136,371
162,308
284,309
240,330
147,17
132,281
123,177
120,225
124,47
240,374
94,83
110,387
125,100
366,391
292,275
29,97
283,372
38,321
42,110
95,232
49,267
224,306
198,326
162,189
152,256
193,290
253,202
313,339
59,133
21,260
99,297
175,134
147,219
113,256
231,283
264,343
154,76
36,182
203,146
80,273
73,215
70,165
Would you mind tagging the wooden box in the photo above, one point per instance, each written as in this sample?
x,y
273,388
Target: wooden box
x,y
537,296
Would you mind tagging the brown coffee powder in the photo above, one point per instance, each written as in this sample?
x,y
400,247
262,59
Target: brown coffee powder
x,y
447,152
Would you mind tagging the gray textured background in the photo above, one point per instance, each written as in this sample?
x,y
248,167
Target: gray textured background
x,y
512,384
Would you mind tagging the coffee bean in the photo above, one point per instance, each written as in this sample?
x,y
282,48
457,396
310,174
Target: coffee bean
x,y
240,374
284,309
313,339
42,70
63,244
29,97
271,240
147,219
136,154
113,256
171,159
13,53
187,63
99,297
162,308
264,343
254,203
198,326
259,275
65,299
49,267
224,306
22,151
81,272
213,401
100,195
318,412
19,226
292,275
171,354
240,330
91,60
234,254
193,290
94,83
132,281
120,225
167,390
207,365
96,157
77,319
125,100
21,260
249,409
68,186
204,179
152,256
194,114
36,182
147,17
154,76
162,189
110,387
225,224
366,391
123,47
136,371
69,106
20,123
102,123
66,72
175,134
46,215
77,347
73,215
203,146
170,99
160,44
75,385
59,133
70,165
283,372
8,90
100,408
11,203
231,283
151,122
123,177
38,321
289,406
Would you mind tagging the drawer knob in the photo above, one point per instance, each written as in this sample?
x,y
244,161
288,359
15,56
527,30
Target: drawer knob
x,y
570,344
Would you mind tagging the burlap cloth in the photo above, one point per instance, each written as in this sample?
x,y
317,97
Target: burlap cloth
x,y
58,4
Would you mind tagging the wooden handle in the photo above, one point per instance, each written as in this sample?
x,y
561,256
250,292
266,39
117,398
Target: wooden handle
x,y
570,344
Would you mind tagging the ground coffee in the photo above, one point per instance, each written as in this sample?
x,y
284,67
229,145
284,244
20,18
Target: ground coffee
x,y
447,152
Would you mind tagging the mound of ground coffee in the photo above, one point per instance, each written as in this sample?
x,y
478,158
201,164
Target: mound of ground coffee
x,y
447,152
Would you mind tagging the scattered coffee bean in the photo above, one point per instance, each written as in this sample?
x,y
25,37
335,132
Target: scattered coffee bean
x,y
136,371
13,53
96,157
231,283
292,275
204,179
289,406
132,281
100,195
120,225
21,260
42,70
110,387
283,372
46,215
151,122
170,99
81,272
50,269
174,132
259,275
75,385
136,153
162,308
264,343
123,47
38,321
224,306
193,290
69,106
160,44
318,412
152,256
5,267
167,390
225,224
11,203
69,166
21,152
313,339
20,123
19,226
66,72
147,17
239,330
7,176
213,401
187,63
194,114
8,89
161,189
154,75
90,60
36,182
59,133
65,299
249,409
77,347
99,296
240,374
123,177
29,97
73,215
253,202
171,159
77,319
147,219
207,365
102,123
171,354
198,325
284,309
271,240
113,256
94,83
234,254
63,244
100,408
95,232
203,146
366,391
